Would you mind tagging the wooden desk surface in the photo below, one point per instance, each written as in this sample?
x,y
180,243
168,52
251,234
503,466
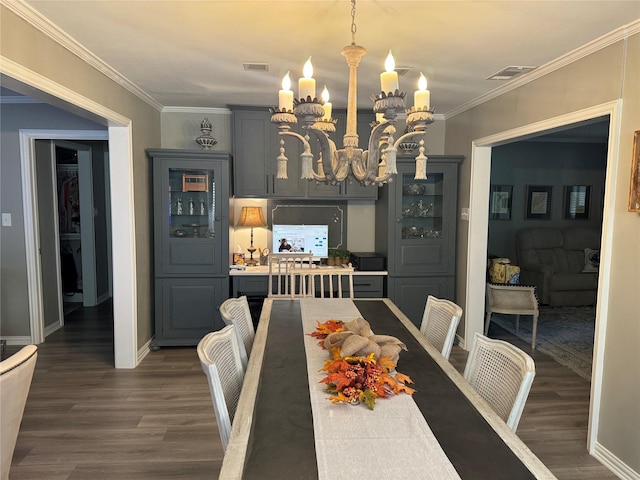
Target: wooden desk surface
x,y
476,440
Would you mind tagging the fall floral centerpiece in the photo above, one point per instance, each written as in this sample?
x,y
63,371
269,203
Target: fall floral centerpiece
x,y
355,379
325,329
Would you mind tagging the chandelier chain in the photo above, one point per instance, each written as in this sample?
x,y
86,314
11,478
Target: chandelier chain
x,y
353,22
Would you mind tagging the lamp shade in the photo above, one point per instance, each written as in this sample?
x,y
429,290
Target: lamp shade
x,y
251,217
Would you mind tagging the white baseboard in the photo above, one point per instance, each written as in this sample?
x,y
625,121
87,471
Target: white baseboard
x,y
613,463
461,343
16,340
51,328
144,351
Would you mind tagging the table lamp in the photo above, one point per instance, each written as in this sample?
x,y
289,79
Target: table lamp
x,y
251,217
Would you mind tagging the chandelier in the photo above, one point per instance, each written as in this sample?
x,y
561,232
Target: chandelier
x,y
374,166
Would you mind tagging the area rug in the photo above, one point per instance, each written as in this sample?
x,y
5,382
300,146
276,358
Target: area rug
x,y
564,333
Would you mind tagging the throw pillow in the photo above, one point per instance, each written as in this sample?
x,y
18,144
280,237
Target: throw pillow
x,y
591,260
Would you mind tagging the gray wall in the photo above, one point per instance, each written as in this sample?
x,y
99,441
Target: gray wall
x,y
14,319
607,75
550,163
36,56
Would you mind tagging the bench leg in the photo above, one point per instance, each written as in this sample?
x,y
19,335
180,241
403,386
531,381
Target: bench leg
x,y
533,335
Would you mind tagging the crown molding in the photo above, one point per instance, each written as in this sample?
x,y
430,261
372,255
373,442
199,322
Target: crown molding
x,y
44,25
199,110
604,41
46,85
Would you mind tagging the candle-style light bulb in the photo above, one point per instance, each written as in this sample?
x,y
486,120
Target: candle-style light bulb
x,y
422,82
389,63
307,70
285,96
307,84
286,82
326,105
389,78
422,96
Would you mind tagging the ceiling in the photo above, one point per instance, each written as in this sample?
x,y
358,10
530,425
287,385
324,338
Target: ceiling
x,y
191,53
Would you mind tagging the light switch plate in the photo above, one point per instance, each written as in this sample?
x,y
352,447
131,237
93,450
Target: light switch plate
x,y
464,214
6,219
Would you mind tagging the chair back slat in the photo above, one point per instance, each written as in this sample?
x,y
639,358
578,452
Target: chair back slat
x,y
285,269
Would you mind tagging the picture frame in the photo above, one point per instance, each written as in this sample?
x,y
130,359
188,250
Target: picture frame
x,y
634,187
577,200
500,198
538,204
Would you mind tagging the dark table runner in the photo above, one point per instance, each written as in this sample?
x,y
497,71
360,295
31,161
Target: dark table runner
x,y
282,444
474,448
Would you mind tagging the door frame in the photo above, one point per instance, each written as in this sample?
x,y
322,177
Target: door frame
x,y
479,225
123,251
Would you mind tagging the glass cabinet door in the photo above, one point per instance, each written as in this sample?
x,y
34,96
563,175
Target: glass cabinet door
x,y
188,213
191,206
422,202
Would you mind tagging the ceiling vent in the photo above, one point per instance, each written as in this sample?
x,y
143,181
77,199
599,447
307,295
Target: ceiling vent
x,y
510,72
256,67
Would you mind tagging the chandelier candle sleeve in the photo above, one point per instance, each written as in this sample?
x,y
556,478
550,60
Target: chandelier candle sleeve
x,y
327,104
285,96
422,96
307,84
389,79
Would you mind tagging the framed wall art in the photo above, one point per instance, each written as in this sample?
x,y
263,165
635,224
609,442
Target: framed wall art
x,y
538,205
634,188
576,202
500,202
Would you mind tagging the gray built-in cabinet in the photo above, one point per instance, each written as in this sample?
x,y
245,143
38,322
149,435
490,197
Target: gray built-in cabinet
x,y
191,243
416,230
256,146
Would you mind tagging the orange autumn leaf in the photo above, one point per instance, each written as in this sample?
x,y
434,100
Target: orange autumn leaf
x,y
401,377
386,363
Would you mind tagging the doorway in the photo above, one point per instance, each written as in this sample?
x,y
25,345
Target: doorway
x,y
73,225
478,228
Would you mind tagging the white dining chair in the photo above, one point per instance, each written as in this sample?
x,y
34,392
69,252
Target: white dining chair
x,y
439,323
219,354
235,311
16,373
513,300
502,374
330,282
285,269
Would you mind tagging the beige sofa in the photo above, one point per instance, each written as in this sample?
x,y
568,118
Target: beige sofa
x,y
561,263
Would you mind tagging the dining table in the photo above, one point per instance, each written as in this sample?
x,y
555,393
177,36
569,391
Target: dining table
x,y
285,426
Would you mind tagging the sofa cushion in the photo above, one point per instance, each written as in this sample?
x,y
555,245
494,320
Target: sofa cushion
x,y
573,281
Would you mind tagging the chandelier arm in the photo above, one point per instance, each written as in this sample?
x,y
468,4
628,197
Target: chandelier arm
x,y
407,136
331,164
376,149
306,156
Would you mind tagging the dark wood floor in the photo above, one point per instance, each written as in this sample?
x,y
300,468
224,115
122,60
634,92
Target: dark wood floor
x,y
86,420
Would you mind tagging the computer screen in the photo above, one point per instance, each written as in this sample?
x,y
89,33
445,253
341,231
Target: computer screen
x,y
302,238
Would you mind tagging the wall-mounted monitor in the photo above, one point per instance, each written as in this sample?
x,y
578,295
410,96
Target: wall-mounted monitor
x,y
302,238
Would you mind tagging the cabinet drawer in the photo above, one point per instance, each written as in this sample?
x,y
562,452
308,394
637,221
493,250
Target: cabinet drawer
x,y
368,286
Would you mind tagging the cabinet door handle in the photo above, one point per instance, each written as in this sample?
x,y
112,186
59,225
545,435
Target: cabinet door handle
x,y
273,183
266,183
